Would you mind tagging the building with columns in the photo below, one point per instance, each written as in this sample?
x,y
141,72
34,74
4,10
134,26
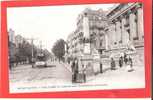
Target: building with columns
x,y
126,31
118,30
126,25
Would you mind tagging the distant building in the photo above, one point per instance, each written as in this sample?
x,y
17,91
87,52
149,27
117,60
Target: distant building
x,y
18,40
11,35
11,46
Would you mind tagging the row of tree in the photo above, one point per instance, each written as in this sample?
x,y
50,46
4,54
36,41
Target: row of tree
x,y
23,53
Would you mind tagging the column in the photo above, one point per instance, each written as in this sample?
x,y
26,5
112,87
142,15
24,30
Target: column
x,y
124,33
106,41
132,26
109,40
118,31
140,23
112,35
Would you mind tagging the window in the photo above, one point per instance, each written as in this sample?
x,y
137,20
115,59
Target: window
x,y
120,41
135,38
115,43
100,44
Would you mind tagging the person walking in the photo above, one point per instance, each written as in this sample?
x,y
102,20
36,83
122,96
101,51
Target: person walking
x,y
76,66
125,58
76,69
121,61
130,64
113,65
72,69
84,73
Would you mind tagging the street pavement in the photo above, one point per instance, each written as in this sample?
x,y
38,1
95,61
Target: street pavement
x,y
25,73
60,74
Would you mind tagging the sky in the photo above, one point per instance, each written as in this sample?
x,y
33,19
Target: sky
x,y
47,23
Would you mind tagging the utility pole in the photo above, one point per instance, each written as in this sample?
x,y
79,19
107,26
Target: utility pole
x,y
32,51
32,48
41,47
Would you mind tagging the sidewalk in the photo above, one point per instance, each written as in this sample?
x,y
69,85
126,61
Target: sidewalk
x,y
114,78
68,66
121,78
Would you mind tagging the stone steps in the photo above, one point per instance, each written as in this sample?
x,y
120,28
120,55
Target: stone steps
x,y
137,57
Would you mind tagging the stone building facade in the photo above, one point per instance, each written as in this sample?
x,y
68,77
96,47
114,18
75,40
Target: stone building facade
x,y
95,24
126,29
118,30
126,24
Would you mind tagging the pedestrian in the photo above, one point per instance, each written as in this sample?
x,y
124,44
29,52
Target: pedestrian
x,y
72,66
84,73
125,58
121,61
130,64
76,70
72,69
113,65
101,67
11,62
76,66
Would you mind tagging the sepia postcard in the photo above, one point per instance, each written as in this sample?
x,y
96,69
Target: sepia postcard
x,y
76,47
